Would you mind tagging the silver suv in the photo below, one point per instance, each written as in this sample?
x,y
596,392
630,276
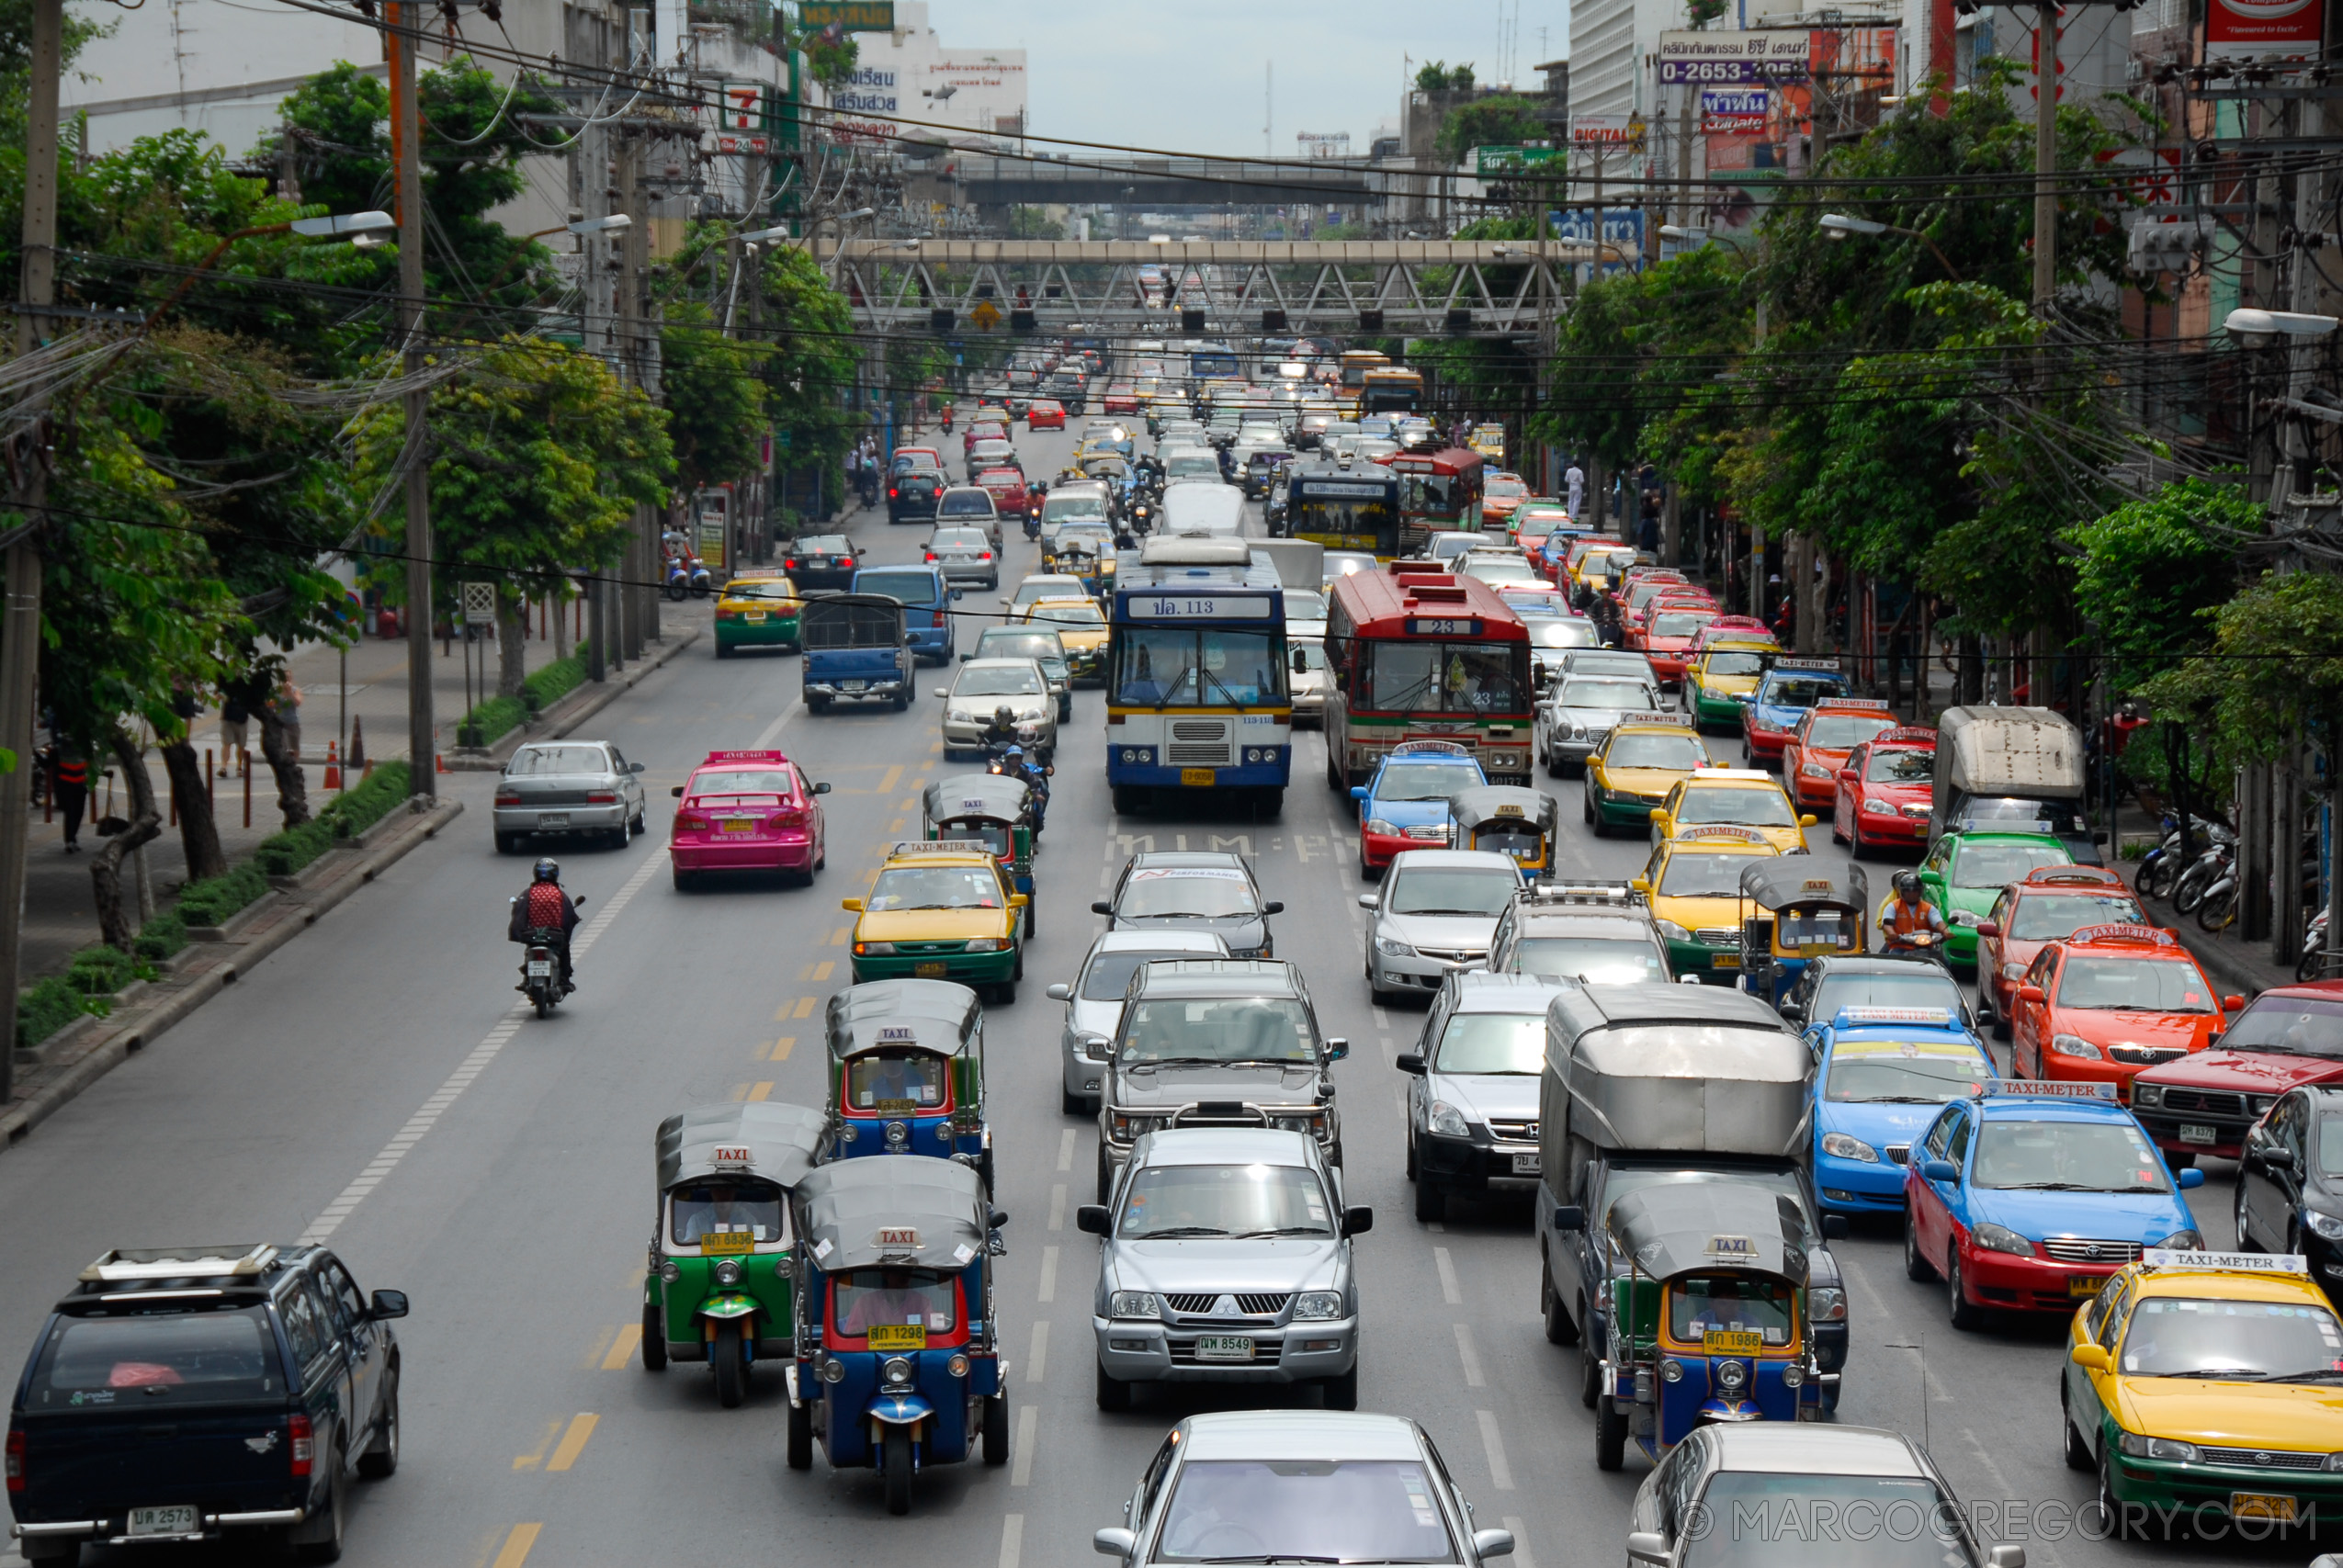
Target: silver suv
x,y
1095,1003
1227,1259
1435,913
1598,933
1216,1043
1473,1106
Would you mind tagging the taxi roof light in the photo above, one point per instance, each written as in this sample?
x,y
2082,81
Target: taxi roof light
x,y
938,847
2031,1089
1430,748
1829,665
2002,824
1859,1017
1615,894
2226,1262
2137,935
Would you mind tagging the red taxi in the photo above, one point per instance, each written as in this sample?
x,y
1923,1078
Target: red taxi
x,y
1821,743
1121,398
1882,792
2101,1005
982,429
2051,904
1045,414
747,811
1729,628
1638,594
1667,630
1009,492
2203,1104
1499,496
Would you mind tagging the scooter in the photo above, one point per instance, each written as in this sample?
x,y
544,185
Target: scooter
x,y
2313,964
1034,775
679,580
2210,867
2161,866
541,967
703,581
1032,525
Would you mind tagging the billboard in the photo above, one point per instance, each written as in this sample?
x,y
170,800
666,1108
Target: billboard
x,y
2271,27
1735,59
1622,227
1496,161
848,16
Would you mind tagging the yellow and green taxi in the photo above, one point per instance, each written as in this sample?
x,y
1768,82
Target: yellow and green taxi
x,y
1693,886
940,911
1632,772
2208,1387
1719,681
1749,798
758,609
1080,624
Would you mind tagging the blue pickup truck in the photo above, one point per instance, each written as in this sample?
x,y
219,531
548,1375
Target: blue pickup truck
x,y
857,649
203,1393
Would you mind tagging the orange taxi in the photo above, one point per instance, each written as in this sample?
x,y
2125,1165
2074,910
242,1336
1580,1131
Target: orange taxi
x,y
2049,903
1669,630
2108,1002
1823,741
1499,496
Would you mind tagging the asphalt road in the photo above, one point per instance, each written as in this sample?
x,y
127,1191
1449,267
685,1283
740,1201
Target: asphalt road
x,y
516,1219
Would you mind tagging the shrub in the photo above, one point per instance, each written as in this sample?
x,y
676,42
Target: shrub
x,y
554,683
354,812
281,854
210,901
45,1007
162,936
491,722
101,971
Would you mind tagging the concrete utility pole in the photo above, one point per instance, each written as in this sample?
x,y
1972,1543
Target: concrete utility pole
x,y
406,146
2046,154
634,569
20,628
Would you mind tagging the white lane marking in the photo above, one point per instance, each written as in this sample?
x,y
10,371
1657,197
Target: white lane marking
x,y
1381,1018
1048,1291
1500,1474
1522,1557
1058,1207
1066,1149
427,1114
1448,1290
773,732
1470,1357
1013,1539
1039,1370
1021,1469
1399,1099
1105,875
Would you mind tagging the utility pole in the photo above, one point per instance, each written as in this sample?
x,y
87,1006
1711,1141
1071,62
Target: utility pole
x,y
20,631
635,568
2046,154
406,146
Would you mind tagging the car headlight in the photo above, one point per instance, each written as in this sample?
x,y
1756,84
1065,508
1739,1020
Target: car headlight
x,y
1314,1123
1879,808
833,1370
2001,1238
727,1272
2075,1045
1794,1376
896,1370
1814,771
873,949
1671,1371
1128,1127
1317,1306
1825,1304
1841,1147
1094,1046
958,1366
2013,971
1731,1376
2147,1094
2262,1102
1391,947
2140,1446
1446,1120
1963,917
2327,1225
1672,930
1134,1304
671,1271
1378,825
2191,1241
989,944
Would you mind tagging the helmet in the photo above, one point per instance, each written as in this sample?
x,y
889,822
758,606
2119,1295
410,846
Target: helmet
x,y
1005,716
547,870
1907,884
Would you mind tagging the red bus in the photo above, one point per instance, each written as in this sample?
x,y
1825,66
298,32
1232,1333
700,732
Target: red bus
x,y
1418,654
1437,490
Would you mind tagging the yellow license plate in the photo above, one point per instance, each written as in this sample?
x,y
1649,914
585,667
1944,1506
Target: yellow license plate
x,y
2084,1284
1196,778
931,971
717,1243
897,1107
897,1336
755,614
1731,1342
2262,1505
1726,960
739,824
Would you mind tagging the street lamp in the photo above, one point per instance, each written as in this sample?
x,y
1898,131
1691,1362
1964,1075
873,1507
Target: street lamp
x,y
355,224
1838,225
2259,328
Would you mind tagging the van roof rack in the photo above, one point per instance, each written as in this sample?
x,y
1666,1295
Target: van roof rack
x,y
129,1263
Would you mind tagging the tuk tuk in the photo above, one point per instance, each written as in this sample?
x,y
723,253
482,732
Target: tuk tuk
x,y
1708,1320
1081,556
907,1073
898,1363
993,807
1516,822
718,1287
1794,911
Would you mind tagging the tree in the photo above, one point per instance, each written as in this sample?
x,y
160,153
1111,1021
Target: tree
x,y
2273,673
810,333
2150,572
1439,76
1504,120
1034,223
715,398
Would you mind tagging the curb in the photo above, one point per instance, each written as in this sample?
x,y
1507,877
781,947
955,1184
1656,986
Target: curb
x,y
132,1029
2233,970
583,704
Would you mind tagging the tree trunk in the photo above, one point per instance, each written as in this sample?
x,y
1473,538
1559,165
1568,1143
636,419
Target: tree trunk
x,y
560,609
512,646
199,830
114,922
292,788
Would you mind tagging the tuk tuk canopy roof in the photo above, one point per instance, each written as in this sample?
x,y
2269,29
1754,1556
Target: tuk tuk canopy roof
x,y
851,620
1798,879
996,796
1681,1229
936,1015
911,1210
766,1138
1489,802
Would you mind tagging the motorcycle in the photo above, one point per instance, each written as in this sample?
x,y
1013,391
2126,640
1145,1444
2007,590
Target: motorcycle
x,y
542,966
2217,862
679,580
1926,946
1032,525
702,581
2161,866
1036,777
2312,964
947,421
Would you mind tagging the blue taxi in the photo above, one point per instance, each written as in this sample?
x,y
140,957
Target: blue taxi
x,y
1789,688
1405,806
1881,1075
2028,1195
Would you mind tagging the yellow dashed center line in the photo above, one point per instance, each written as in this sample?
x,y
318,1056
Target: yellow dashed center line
x,y
838,936
821,970
761,1091
536,1456
781,1048
740,1092
573,1441
517,1547
623,1347
805,1006
890,779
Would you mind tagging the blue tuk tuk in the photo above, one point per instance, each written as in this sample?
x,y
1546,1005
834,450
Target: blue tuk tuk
x,y
1794,910
907,1073
898,1363
995,809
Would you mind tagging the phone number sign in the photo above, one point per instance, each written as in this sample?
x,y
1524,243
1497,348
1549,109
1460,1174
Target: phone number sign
x,y
1751,58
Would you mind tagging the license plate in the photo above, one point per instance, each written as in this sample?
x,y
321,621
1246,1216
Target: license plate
x,y
1224,1347
2192,1134
740,825
755,614
931,971
2084,1284
1731,1342
539,969
2262,1505
1726,960
897,1336
1196,778
853,685
180,1519
717,1243
1525,1165
553,818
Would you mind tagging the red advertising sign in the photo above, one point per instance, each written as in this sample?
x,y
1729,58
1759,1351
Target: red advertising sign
x,y
2284,27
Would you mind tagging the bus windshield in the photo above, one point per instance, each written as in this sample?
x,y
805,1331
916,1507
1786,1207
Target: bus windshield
x,y
1429,676
1438,495
1346,525
1199,667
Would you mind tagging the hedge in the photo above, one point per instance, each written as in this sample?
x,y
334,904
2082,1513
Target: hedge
x,y
282,855
554,683
210,901
45,1007
162,936
499,717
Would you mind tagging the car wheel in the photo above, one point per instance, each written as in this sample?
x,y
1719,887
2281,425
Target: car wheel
x,y
729,1354
1560,1329
2110,1509
1069,1104
1836,836
1106,1176
2237,1218
654,1339
381,1459
1915,1266
1006,993
508,843
1552,766
1411,1156
1431,1199
722,651
2078,1452
1343,1393
682,880
1114,1394
1586,811
1965,1314
327,1547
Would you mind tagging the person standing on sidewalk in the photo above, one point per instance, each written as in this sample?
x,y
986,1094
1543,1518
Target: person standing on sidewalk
x,y
235,730
70,784
288,714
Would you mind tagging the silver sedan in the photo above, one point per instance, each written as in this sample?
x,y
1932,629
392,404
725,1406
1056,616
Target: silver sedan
x,y
984,686
1580,710
1095,1003
569,789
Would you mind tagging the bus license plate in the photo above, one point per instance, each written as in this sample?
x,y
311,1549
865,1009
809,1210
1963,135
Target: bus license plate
x,y
2192,1134
180,1519
1224,1347
1196,778
2262,1505
897,1336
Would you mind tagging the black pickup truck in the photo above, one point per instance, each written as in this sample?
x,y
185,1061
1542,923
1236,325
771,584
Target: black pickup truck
x,y
196,1393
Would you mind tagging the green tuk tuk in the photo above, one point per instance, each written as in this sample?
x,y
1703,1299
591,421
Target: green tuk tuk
x,y
993,807
907,1073
717,1289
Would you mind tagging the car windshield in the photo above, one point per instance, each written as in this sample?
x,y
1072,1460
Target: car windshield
x,y
739,781
1067,614
864,1299
541,759
2133,984
1559,631
897,1081
1992,864
1904,1076
1829,732
1450,890
1760,807
1597,961
1797,692
1510,1044
2177,1336
1303,1510
1109,975
1730,1303
1032,590
1735,663
1692,875
910,587
1680,623
764,588
1677,753
959,539
1627,1179
934,887
1041,647
824,545
998,682
980,506
2047,917
198,1357
1424,781
1908,984
1205,892
1620,694
711,1208
2293,1026
1901,767
1170,1201
1771,1521
1304,605
2067,1157
1074,509
1217,1028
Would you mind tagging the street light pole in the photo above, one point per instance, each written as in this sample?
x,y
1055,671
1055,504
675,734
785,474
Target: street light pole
x,y
406,137
2046,154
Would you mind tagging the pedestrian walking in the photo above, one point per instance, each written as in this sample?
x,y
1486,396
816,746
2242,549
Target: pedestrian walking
x,y
235,720
69,785
1574,488
288,714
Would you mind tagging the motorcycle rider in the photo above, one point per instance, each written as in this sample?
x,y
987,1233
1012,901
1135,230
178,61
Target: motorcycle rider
x,y
1001,732
546,907
1014,764
1911,923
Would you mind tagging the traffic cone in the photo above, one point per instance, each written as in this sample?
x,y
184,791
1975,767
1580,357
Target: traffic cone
x,y
440,762
357,758
333,766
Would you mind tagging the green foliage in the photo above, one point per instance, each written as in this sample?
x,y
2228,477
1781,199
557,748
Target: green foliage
x,y
813,356
45,1007
1034,223
2273,673
282,855
1439,76
1504,120
162,936
491,721
552,683
101,971
210,901
2149,571
715,398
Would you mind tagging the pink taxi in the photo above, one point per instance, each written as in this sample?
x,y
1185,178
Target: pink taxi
x,y
747,811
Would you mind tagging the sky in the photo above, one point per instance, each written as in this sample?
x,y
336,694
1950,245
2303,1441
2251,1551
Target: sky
x,y
1188,76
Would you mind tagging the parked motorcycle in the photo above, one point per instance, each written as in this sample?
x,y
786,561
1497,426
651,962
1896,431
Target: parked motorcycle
x,y
702,581
679,580
2313,964
2162,865
2217,862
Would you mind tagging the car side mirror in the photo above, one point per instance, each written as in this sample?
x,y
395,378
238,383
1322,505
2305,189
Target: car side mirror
x,y
942,694
1641,884
821,789
1357,1221
1100,907
634,767
1337,1048
1114,1542
1688,980
1807,820
966,657
2091,1358
1492,1544
1274,906
1091,1219
2030,993
1366,900
387,1305
1569,1217
1940,1170
2233,1004
999,1217
1989,928
1059,992
1411,1062
854,904
1358,792
1649,1546
1834,1227
2276,1156
2190,1178
677,792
